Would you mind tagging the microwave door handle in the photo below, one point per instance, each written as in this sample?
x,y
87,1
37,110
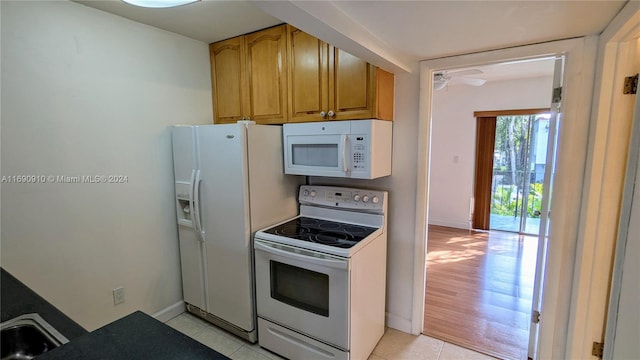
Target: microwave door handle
x,y
345,168
327,262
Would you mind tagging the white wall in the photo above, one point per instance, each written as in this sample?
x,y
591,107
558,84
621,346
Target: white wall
x,y
401,186
88,93
454,137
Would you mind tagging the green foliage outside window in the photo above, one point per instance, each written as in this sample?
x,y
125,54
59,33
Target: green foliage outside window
x,y
505,201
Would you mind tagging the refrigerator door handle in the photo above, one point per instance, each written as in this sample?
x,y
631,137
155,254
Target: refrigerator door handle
x,y
196,206
191,207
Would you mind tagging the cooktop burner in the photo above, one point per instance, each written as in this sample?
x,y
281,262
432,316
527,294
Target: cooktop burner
x,y
321,231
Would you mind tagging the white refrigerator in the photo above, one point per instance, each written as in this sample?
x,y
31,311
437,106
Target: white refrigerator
x,y
229,182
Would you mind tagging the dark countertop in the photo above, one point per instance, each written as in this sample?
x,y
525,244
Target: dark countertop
x,y
135,336
17,299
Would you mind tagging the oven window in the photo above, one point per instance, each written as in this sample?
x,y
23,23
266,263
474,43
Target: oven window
x,y
315,155
305,289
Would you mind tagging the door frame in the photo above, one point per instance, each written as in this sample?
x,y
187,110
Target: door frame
x,y
572,149
612,117
616,340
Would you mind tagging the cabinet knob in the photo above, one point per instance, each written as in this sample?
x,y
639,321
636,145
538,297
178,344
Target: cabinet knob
x,y
323,114
331,113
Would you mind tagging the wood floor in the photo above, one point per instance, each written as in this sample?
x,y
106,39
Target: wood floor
x,y
479,290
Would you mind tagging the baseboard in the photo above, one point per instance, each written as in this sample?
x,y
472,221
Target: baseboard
x,y
398,323
170,312
452,224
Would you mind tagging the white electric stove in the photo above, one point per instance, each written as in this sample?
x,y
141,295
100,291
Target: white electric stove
x,y
320,277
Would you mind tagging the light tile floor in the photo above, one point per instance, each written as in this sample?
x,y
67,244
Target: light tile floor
x,y
393,345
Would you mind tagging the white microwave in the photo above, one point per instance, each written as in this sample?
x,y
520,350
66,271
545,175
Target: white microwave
x,y
359,149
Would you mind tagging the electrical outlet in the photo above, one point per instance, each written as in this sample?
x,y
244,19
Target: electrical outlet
x,y
118,295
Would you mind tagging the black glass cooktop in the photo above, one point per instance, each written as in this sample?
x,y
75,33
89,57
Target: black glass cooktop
x,y
321,231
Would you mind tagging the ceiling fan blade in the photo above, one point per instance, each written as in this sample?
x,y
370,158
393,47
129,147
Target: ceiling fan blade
x,y
440,77
466,72
439,85
440,80
468,81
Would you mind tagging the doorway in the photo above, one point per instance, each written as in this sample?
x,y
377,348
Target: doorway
x,y
573,149
486,277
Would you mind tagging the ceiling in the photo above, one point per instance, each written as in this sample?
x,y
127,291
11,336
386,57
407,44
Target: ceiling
x,y
432,29
208,21
391,34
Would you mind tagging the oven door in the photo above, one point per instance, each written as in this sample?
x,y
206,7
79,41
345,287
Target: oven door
x,y
303,290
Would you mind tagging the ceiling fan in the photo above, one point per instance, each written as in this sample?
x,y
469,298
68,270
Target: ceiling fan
x,y
443,78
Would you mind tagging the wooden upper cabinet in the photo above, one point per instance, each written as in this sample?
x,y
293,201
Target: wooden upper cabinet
x,y
351,90
308,77
249,77
283,74
267,75
228,80
327,83
385,86
357,89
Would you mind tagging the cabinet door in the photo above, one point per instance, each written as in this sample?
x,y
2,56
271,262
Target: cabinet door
x,y
384,94
351,86
308,76
228,80
267,75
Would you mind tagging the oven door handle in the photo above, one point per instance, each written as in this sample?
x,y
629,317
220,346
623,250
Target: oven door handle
x,y
318,258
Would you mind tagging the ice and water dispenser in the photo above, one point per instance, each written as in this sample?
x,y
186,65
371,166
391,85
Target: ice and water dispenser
x,y
185,208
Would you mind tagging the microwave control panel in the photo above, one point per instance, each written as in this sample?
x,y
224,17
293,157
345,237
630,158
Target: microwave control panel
x,y
358,151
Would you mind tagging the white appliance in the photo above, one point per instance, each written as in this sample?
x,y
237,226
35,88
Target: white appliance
x,y
320,277
229,183
359,149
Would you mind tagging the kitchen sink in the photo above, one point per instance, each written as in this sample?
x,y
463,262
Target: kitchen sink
x,y
27,336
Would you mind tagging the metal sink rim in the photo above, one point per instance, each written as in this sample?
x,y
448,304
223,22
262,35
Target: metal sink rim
x,y
41,325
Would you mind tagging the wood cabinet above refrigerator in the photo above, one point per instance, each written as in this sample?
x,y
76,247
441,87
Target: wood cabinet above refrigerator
x,y
249,77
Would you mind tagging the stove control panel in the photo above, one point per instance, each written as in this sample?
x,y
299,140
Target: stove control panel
x,y
342,197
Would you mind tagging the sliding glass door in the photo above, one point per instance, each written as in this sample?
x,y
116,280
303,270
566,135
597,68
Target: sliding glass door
x,y
519,163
